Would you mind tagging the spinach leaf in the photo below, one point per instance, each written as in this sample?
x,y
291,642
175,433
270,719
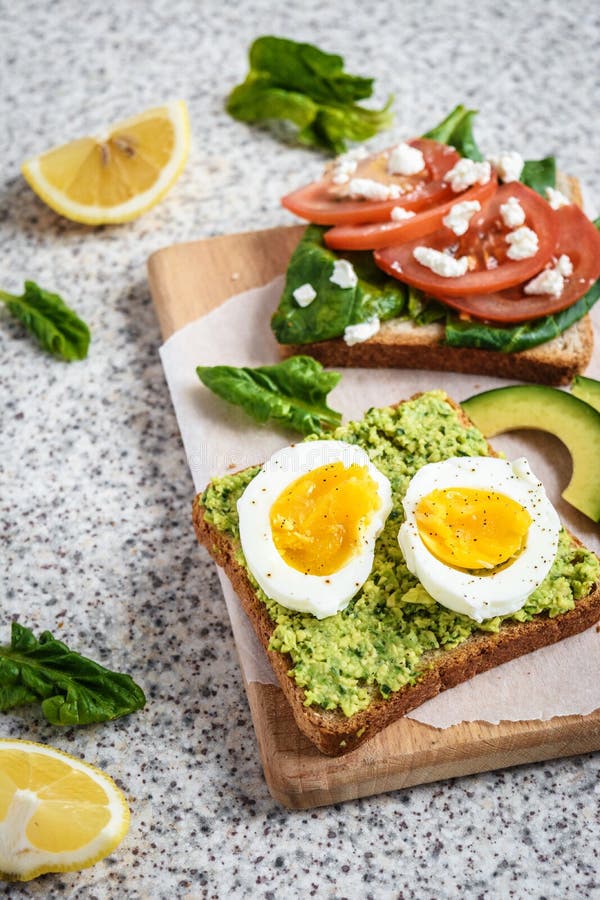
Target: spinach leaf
x,y
457,131
302,84
334,307
424,310
539,174
50,320
512,339
292,393
73,690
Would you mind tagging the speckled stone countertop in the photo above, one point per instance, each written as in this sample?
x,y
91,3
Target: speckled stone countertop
x,y
96,541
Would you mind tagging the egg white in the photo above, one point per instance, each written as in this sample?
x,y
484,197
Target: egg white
x,y
321,595
505,591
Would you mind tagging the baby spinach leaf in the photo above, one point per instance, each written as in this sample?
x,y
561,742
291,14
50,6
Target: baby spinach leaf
x,y
302,84
73,689
539,174
512,339
56,327
334,307
457,131
292,393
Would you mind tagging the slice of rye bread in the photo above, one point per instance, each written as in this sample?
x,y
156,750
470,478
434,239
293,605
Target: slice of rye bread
x,y
401,344
331,731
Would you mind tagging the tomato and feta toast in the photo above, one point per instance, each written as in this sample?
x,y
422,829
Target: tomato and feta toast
x,y
487,255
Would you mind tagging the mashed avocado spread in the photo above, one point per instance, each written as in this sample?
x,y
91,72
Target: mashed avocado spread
x,y
377,644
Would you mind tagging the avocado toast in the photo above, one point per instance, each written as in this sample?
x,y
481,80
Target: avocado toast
x,y
393,647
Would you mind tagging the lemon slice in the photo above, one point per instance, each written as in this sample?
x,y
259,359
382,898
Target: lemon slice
x,y
119,175
57,813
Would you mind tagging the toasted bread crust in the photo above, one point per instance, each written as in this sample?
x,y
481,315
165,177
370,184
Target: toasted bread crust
x,y
413,347
332,732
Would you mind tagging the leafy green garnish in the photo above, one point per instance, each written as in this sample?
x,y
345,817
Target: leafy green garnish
x,y
50,320
539,174
302,84
513,339
334,307
292,393
73,690
457,131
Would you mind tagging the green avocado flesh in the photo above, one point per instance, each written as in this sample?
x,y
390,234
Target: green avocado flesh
x,y
388,635
587,389
575,423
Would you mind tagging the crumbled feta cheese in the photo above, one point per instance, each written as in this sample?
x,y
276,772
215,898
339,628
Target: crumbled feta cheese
x,y
523,243
556,199
564,265
368,189
460,215
508,165
399,214
356,334
441,263
304,295
405,160
512,213
467,172
343,274
551,281
345,165
339,176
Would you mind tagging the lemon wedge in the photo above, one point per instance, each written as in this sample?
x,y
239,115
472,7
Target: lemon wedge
x,y
117,176
57,813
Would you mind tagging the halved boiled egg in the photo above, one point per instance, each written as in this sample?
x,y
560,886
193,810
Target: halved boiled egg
x,y
308,524
480,534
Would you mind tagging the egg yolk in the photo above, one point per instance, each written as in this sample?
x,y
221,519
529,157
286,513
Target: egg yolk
x,y
318,521
469,528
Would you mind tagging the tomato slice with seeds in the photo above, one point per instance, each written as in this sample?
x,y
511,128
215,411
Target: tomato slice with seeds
x,y
580,241
484,245
326,203
374,235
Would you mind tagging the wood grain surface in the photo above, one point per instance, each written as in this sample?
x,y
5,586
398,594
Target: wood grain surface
x,y
187,281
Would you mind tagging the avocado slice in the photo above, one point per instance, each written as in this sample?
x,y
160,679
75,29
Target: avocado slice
x,y
574,422
587,389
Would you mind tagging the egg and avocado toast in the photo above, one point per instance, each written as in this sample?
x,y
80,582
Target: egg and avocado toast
x,y
355,649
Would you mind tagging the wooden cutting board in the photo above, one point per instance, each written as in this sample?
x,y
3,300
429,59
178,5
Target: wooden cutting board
x,y
188,281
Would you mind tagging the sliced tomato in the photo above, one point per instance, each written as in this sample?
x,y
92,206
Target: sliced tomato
x,y
485,246
580,241
323,202
374,235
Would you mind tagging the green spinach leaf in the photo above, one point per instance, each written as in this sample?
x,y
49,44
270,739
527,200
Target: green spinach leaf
x,y
334,307
292,393
457,131
513,339
299,83
539,174
73,690
49,319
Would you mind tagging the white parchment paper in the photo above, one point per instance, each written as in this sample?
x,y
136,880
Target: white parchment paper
x,y
557,680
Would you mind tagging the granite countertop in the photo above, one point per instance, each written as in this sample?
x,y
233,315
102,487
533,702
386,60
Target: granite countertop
x,y
97,544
